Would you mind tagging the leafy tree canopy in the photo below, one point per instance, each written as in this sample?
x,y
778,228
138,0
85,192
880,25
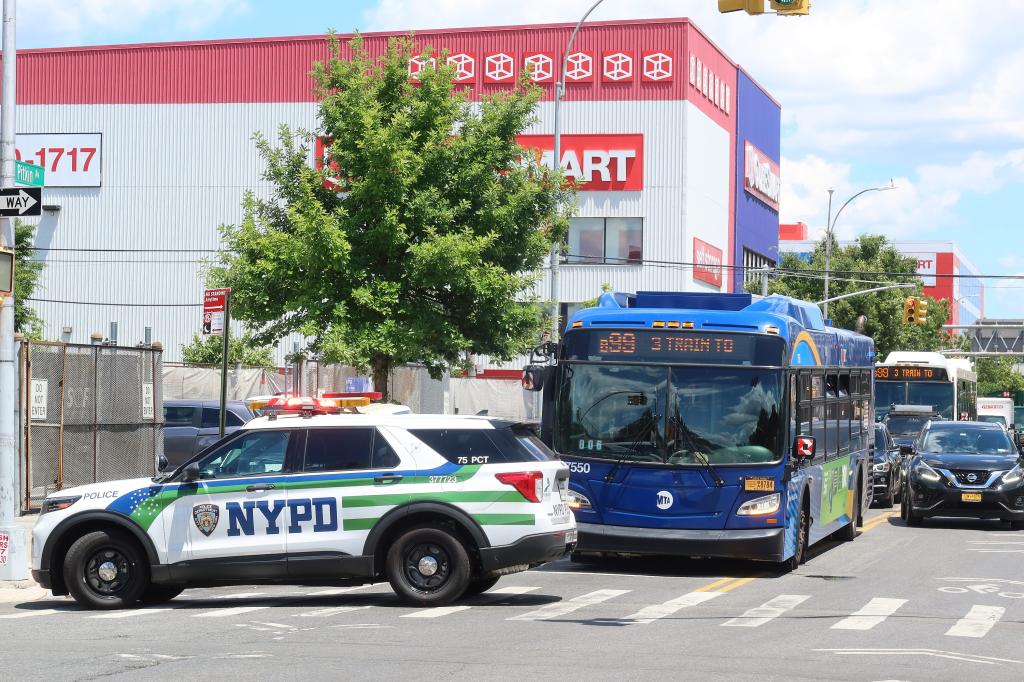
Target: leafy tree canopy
x,y
426,245
883,310
27,272
241,350
996,375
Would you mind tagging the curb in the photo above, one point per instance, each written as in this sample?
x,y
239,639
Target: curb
x,y
12,591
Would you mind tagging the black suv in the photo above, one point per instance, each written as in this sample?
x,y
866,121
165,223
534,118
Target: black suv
x,y
905,423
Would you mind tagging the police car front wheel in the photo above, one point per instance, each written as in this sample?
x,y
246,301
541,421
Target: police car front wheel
x,y
105,570
428,566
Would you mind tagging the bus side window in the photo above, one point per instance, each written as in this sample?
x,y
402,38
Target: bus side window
x,y
794,414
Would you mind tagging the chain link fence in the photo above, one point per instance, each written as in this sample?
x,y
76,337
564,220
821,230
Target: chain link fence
x,y
90,414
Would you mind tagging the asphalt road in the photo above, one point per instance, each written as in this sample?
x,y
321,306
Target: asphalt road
x,y
941,602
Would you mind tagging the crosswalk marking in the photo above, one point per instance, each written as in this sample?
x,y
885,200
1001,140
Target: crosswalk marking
x,y
511,590
768,611
30,614
332,611
567,606
241,595
227,613
653,613
978,621
336,591
435,612
873,613
131,613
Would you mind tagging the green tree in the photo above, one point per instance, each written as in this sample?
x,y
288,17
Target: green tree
x,y
996,375
883,310
241,349
27,271
428,242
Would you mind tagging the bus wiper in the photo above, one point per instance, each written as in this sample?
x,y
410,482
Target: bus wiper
x,y
633,447
700,457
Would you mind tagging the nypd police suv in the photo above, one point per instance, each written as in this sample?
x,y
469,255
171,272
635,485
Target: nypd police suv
x,y
440,506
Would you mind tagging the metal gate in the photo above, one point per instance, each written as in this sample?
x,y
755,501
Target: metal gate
x,y
90,414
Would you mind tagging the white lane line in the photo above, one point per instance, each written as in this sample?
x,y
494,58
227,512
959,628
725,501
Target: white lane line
x,y
978,621
569,605
512,590
767,612
131,613
435,612
871,614
337,590
30,614
652,613
332,611
227,613
241,595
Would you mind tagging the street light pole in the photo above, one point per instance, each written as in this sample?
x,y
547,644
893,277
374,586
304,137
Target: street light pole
x,y
559,93
830,230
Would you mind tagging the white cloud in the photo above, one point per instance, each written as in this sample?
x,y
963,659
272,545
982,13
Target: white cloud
x,y
78,22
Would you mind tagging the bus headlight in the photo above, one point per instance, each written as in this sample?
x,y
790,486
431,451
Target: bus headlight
x,y
760,506
577,501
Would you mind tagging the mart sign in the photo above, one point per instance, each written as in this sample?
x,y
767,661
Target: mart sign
x,y
761,176
601,163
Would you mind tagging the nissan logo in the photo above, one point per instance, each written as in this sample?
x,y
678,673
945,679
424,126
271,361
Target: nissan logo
x,y
972,477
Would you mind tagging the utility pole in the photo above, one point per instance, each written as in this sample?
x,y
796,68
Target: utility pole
x,y
13,563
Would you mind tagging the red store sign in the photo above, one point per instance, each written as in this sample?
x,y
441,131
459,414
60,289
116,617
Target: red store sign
x,y
603,163
707,261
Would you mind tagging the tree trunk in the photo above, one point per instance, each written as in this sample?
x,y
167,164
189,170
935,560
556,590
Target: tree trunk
x,y
381,367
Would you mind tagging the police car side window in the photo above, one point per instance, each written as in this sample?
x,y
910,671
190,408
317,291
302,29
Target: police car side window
x,y
252,454
384,456
340,449
462,446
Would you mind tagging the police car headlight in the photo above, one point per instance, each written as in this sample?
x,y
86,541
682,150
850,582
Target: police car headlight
x,y
52,504
881,466
761,506
577,501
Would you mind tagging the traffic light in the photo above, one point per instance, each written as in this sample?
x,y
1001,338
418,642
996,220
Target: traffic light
x,y
789,8
921,312
748,6
910,310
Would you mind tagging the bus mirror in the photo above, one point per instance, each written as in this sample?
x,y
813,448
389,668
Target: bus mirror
x,y
804,448
534,376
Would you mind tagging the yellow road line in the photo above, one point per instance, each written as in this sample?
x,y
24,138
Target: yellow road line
x,y
878,521
739,583
712,586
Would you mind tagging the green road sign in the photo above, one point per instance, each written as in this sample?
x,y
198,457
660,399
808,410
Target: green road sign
x,y
28,174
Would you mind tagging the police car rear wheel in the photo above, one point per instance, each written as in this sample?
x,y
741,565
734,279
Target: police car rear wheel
x,y
105,570
427,566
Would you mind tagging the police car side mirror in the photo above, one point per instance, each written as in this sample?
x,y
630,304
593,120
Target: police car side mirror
x,y
162,464
191,473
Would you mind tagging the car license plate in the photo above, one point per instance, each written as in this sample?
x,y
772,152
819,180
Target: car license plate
x,y
759,485
970,497
570,536
560,513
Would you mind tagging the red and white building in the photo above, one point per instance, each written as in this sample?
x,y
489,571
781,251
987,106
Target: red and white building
x,y
150,147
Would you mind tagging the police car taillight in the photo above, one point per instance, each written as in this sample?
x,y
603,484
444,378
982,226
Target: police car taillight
x,y
530,484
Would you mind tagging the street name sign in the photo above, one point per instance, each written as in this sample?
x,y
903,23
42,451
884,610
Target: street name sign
x,y
18,202
28,174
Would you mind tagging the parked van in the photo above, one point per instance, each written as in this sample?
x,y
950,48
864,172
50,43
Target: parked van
x,y
996,410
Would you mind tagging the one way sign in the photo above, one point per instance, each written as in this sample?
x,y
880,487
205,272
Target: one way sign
x,y
20,201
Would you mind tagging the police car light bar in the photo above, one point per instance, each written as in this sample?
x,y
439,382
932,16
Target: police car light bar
x,y
305,407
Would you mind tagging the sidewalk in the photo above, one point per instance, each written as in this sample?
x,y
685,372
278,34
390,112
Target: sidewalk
x,y
22,590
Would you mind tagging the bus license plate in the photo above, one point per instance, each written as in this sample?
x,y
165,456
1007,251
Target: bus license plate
x,y
970,497
759,485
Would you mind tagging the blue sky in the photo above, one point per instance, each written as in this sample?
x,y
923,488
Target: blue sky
x,y
917,90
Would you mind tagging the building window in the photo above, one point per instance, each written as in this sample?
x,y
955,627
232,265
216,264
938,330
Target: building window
x,y
752,260
612,241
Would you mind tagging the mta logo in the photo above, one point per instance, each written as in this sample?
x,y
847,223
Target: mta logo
x,y
244,518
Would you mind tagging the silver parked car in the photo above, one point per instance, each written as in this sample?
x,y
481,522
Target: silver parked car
x,y
193,425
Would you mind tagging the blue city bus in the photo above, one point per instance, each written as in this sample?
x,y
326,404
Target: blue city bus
x,y
709,425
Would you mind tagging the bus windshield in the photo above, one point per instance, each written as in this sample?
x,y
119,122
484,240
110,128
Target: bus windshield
x,y
682,415
938,396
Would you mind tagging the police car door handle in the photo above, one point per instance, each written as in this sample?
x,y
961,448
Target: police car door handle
x,y
260,487
388,478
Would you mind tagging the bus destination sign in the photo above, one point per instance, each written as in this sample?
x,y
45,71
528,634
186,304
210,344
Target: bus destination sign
x,y
672,347
910,373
